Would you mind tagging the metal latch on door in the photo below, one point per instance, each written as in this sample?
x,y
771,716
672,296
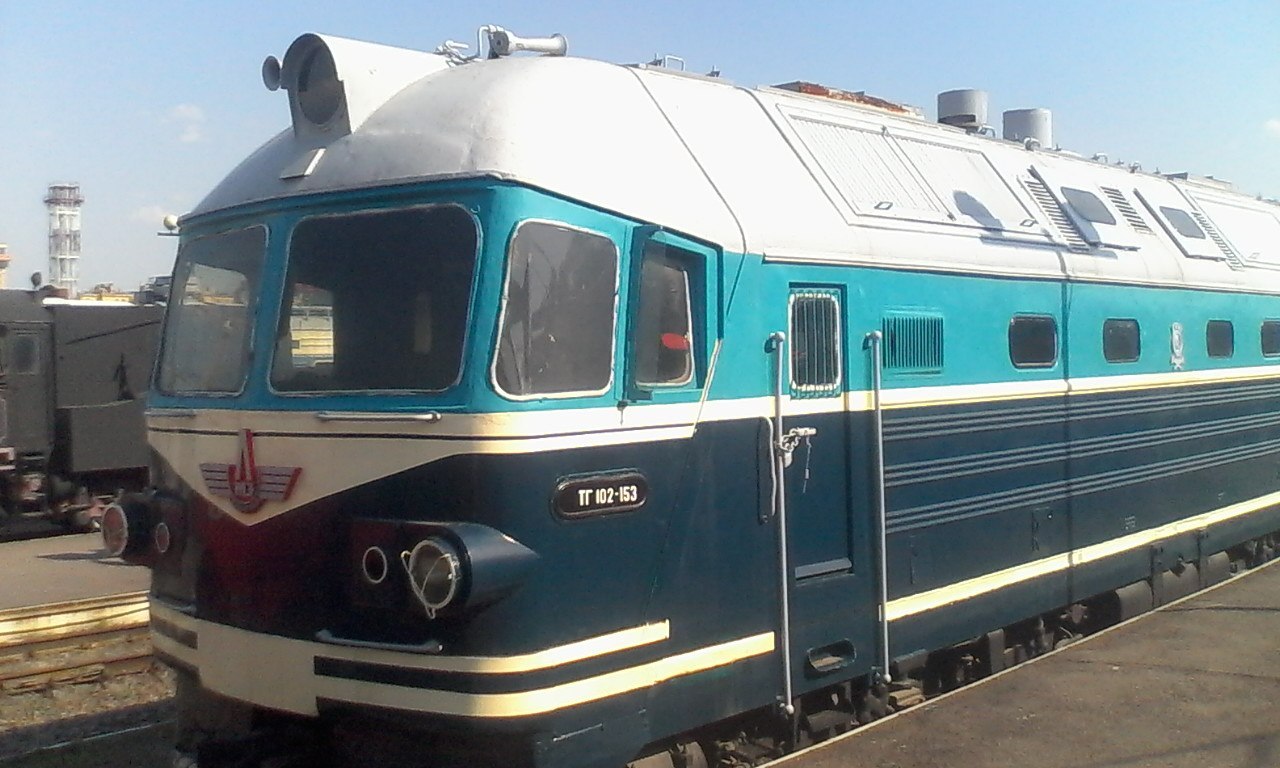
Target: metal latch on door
x,y
788,443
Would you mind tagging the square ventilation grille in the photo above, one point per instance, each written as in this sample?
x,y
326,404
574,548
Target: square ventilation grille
x,y
913,342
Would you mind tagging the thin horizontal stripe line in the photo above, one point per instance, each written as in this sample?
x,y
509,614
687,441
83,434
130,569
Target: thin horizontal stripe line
x,y
933,599
413,436
493,705
546,658
965,465
1017,498
523,424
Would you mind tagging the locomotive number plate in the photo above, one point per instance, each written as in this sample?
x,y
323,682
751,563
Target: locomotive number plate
x,y
600,494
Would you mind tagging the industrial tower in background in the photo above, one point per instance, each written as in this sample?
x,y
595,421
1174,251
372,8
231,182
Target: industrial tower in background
x,y
63,202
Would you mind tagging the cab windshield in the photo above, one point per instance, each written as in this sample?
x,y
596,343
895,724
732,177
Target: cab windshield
x,y
207,333
376,300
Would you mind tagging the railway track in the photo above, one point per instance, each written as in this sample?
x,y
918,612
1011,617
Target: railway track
x,y
74,642
146,741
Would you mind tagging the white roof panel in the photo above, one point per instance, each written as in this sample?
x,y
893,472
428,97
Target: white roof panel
x,y
763,171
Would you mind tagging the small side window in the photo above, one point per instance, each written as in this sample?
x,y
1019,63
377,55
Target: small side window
x,y
663,346
1088,205
1182,221
558,313
1033,341
1271,338
24,354
815,344
1121,341
1220,338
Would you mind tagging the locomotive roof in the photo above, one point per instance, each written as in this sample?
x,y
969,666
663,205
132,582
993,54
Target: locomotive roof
x,y
782,174
21,306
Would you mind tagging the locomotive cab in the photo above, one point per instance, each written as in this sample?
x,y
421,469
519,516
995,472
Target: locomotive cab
x,y
401,423
409,421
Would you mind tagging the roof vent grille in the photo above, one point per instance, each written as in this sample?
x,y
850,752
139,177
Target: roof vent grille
x,y
1228,252
1127,210
1050,207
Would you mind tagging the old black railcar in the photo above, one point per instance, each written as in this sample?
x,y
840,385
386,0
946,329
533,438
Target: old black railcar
x,y
72,380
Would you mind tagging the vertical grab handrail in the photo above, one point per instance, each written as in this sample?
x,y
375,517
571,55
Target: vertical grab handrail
x,y
873,340
777,342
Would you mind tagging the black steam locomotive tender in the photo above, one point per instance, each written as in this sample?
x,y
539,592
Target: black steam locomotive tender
x,y
73,380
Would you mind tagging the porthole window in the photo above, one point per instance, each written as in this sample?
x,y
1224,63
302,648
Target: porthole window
x,y
1182,221
1220,338
1033,341
1271,338
1088,205
1121,341
815,344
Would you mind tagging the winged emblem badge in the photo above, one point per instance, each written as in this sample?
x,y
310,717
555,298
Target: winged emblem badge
x,y
247,484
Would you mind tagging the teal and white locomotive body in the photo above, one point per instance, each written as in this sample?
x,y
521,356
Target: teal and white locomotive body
x,y
554,412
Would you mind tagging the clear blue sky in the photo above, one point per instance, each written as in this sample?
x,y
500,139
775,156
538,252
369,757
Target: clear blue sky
x,y
148,104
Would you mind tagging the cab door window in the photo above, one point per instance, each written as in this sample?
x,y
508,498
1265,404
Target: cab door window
x,y
663,344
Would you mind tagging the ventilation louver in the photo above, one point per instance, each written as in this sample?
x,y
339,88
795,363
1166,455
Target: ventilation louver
x,y
1228,253
1127,210
912,343
1049,206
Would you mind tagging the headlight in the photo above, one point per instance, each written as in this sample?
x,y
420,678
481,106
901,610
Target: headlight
x,y
435,573
126,529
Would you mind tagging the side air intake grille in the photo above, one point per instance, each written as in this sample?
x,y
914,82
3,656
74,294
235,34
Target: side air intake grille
x,y
1228,252
912,343
1127,210
1050,207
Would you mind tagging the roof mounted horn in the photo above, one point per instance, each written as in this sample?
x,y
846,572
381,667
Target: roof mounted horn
x,y
504,43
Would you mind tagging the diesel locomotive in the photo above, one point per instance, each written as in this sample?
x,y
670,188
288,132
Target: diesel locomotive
x,y
532,410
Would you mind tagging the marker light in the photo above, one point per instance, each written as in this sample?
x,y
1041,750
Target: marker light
x,y
435,573
373,565
162,537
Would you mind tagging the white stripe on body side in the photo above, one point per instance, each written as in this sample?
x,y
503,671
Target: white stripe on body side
x,y
379,448
280,672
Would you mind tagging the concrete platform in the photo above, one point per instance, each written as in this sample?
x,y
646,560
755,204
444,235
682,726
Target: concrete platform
x,y
61,568
1194,684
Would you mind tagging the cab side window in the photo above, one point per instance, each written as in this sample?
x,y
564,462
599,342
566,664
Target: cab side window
x,y
558,314
663,346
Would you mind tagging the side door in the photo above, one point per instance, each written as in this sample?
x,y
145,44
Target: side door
x,y
28,387
827,566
